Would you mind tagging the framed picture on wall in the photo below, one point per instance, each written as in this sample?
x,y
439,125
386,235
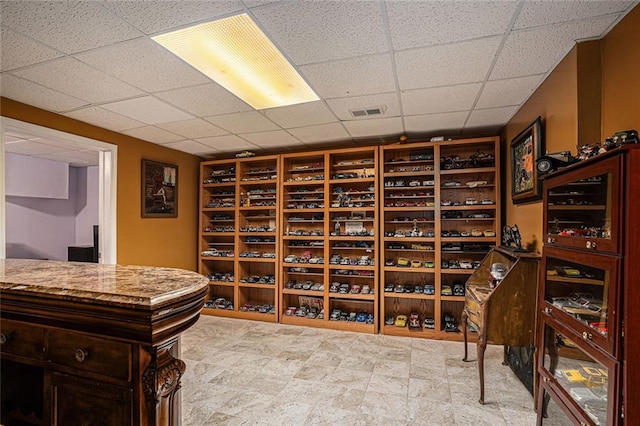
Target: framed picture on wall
x,y
525,149
159,189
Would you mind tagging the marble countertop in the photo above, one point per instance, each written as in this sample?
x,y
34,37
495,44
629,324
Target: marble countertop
x,y
140,287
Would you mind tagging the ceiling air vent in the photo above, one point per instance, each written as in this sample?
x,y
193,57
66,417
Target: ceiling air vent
x,y
366,112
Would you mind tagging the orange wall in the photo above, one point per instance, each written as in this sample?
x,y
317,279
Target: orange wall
x,y
621,76
555,101
153,242
567,102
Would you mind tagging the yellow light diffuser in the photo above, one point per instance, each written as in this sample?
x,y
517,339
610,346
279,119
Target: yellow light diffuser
x,y
236,54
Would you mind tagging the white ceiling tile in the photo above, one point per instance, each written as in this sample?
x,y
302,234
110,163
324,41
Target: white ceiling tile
x,y
257,3
342,106
272,139
435,122
345,29
156,16
243,122
72,77
437,22
374,127
192,129
132,60
68,26
153,134
535,51
205,100
32,148
19,51
77,158
104,118
227,143
513,91
30,93
490,117
351,77
439,99
148,110
536,13
300,115
191,147
320,133
66,145
463,62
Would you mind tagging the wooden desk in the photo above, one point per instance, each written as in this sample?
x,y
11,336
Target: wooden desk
x,y
86,343
503,315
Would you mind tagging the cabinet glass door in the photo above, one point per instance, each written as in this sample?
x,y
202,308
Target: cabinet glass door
x,y
552,414
569,369
582,208
579,291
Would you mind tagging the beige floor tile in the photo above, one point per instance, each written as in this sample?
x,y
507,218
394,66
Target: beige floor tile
x,y
249,373
389,385
383,406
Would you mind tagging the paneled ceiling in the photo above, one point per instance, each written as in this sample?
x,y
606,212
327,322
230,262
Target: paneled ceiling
x,y
433,67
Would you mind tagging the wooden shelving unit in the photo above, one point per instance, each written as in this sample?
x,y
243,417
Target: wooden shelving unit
x,y
431,215
239,210
328,204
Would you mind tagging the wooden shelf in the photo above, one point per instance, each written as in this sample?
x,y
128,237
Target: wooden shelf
x,y
243,293
434,305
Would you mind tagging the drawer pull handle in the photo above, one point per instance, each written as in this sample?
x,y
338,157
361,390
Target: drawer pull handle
x,y
551,240
591,245
587,336
3,338
81,355
548,311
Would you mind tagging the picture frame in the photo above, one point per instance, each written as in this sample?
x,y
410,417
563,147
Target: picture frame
x,y
526,148
159,189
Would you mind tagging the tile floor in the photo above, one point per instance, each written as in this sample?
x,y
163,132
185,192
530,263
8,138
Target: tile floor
x,y
251,373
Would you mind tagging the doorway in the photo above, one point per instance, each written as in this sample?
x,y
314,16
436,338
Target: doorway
x,y
107,179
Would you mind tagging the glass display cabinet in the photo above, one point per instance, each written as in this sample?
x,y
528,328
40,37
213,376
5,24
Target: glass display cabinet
x,y
588,325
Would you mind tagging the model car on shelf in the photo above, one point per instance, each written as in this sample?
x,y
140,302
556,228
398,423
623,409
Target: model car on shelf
x,y
414,320
401,321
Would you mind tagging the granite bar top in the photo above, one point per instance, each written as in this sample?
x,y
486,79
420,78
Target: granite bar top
x,y
138,287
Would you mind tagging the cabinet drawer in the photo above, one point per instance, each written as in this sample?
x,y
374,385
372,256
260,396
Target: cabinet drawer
x,y
87,353
22,340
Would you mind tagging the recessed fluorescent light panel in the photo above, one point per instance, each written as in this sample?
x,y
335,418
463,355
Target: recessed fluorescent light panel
x,y
236,54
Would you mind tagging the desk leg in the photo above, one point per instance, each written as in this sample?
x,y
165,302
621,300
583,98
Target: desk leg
x,y
482,345
465,326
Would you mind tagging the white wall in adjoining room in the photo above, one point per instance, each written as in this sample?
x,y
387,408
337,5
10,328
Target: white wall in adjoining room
x,y
41,227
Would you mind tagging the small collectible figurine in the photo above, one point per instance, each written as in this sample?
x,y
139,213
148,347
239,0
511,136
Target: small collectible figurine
x,y
511,235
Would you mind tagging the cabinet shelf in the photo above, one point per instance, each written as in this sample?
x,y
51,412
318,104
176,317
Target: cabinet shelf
x,y
468,171
221,283
349,296
354,180
409,209
389,294
218,185
576,207
409,174
409,269
218,209
574,280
